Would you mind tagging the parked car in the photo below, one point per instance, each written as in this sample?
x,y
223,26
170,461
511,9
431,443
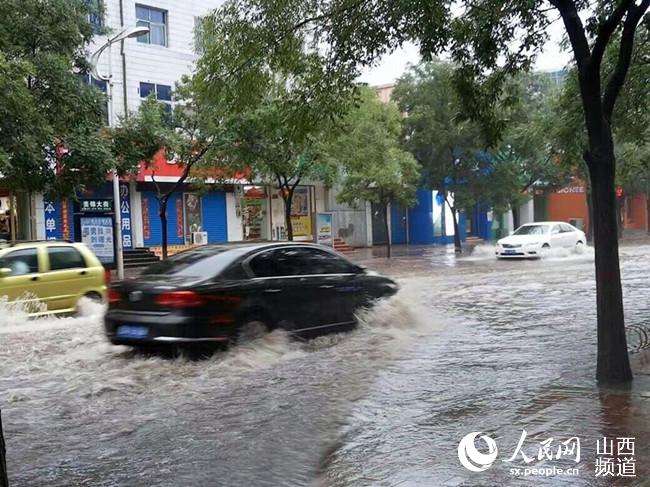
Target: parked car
x,y
219,293
531,239
50,276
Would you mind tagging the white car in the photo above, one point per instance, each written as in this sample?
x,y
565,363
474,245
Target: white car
x,y
531,239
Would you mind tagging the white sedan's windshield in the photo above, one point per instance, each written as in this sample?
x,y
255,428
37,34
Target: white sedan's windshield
x,y
532,230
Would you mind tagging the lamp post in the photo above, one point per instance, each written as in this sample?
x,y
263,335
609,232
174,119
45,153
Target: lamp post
x,y
131,32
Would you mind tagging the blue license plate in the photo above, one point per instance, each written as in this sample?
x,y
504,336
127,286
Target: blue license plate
x,y
130,331
510,251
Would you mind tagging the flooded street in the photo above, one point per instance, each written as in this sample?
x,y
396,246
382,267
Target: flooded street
x,y
469,344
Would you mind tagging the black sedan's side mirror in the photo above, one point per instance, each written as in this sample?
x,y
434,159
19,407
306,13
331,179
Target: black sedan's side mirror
x,y
360,269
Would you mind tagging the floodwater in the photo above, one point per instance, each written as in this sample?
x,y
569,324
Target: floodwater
x,y
469,344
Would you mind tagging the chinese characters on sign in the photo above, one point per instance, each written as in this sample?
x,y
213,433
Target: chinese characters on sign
x,y
615,457
125,214
146,229
96,205
52,211
180,223
97,233
65,223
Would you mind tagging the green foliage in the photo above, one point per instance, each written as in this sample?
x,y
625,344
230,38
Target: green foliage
x,y
374,167
48,116
630,120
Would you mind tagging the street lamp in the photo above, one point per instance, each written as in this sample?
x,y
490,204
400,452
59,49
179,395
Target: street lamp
x,y
94,60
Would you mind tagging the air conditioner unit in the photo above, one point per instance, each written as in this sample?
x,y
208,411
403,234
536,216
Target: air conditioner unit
x,y
200,238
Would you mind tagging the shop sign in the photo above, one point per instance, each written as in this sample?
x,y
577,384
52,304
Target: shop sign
x,y
97,233
324,229
96,205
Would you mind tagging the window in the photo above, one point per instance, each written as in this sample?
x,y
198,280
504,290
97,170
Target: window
x,y
156,20
162,93
62,258
532,230
556,229
199,262
321,262
298,261
21,262
566,228
95,10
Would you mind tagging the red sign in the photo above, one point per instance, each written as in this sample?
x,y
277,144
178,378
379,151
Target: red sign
x,y
146,230
65,223
180,227
620,192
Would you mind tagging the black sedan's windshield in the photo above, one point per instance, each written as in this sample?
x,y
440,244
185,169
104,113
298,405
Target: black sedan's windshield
x,y
201,262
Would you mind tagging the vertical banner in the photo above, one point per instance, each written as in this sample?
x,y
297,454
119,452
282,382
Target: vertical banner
x,y
52,213
324,229
65,223
146,229
300,213
180,225
125,214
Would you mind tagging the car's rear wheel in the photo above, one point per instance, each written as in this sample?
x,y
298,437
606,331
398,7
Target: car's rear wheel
x,y
252,329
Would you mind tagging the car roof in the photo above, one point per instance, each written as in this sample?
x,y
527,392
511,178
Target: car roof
x,y
544,223
33,243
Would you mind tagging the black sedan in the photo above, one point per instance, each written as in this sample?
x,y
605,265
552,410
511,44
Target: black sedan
x,y
220,293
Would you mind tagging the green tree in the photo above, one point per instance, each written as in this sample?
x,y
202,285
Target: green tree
x,y
195,136
526,148
373,166
445,143
489,40
51,123
276,153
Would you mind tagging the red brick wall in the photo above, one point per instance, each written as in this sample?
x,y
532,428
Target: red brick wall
x,y
567,204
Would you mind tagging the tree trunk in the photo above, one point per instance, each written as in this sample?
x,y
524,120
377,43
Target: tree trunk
x,y
388,239
4,480
287,197
163,222
613,361
457,246
515,217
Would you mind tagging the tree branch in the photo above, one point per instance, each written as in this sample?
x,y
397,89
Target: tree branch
x,y
575,30
607,28
626,47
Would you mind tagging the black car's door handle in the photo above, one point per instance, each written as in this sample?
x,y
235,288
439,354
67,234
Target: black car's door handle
x,y
327,286
273,290
35,278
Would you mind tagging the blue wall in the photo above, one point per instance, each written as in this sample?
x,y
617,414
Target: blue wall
x,y
155,227
398,224
213,206
421,219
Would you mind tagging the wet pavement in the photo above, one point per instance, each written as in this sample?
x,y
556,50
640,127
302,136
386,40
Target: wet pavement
x,y
469,344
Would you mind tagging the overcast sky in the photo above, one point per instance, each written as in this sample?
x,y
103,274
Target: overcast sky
x,y
392,66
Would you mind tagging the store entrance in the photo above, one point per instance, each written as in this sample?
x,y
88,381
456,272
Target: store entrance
x,y
15,216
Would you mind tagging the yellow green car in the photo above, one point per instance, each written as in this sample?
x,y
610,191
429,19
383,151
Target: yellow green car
x,y
50,277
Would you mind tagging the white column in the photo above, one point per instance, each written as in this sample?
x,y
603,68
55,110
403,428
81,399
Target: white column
x,y
39,216
235,230
137,227
368,224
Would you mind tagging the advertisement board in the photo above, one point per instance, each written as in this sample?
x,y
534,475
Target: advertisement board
x,y
97,234
324,229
